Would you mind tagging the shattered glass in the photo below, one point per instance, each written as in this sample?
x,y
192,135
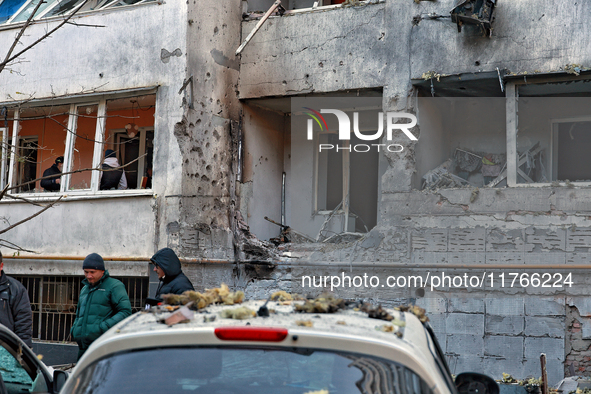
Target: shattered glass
x,y
10,369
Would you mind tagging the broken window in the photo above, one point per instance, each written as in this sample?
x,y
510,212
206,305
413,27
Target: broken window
x,y
5,149
26,168
553,131
8,8
347,179
21,10
81,133
462,143
342,170
129,131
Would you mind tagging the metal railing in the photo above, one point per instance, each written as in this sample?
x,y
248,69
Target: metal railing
x,y
54,299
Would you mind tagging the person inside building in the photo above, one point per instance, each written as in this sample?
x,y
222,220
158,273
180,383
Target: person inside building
x,y
168,267
103,302
53,184
15,307
112,177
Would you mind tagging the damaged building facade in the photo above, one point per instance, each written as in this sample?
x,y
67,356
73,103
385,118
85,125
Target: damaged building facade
x,y
494,182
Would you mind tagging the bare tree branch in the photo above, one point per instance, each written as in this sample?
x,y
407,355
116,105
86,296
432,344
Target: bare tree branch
x,y
82,24
10,245
9,58
23,199
3,192
31,217
19,35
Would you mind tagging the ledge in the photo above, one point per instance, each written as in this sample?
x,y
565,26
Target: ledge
x,y
75,196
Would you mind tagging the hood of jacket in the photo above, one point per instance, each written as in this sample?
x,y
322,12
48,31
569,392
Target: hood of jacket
x,y
168,261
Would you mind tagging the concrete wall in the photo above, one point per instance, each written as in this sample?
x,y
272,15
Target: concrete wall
x,y
264,141
200,223
109,227
124,48
377,45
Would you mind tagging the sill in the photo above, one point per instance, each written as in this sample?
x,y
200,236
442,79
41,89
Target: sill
x,y
77,195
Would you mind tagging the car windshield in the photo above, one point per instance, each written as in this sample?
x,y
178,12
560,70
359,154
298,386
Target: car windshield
x,y
246,370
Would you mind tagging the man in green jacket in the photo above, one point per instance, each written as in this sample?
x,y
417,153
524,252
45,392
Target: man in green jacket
x,y
103,302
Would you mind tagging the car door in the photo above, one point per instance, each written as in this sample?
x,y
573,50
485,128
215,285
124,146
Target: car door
x,y
20,370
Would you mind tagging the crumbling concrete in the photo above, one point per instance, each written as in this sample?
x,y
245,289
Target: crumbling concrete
x,y
578,345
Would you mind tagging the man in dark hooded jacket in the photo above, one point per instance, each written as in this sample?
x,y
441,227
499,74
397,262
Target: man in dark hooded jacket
x,y
168,267
53,184
15,308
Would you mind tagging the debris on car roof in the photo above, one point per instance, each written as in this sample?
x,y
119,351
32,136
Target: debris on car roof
x,y
376,313
415,310
240,313
281,296
390,328
326,303
217,295
213,305
304,323
182,315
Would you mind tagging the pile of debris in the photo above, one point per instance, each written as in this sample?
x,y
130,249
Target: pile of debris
x,y
460,170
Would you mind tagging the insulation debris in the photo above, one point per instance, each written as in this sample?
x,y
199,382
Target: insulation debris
x,y
415,310
376,313
304,323
385,328
240,313
432,74
389,328
281,296
507,378
317,392
217,295
326,303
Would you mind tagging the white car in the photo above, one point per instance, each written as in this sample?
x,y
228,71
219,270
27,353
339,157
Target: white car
x,y
287,352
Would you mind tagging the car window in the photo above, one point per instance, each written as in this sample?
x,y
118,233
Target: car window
x,y
15,377
246,370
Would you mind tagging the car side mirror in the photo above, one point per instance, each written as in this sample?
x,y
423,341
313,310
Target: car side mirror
x,y
59,380
476,383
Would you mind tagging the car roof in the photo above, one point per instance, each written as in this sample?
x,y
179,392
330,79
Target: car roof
x,y
403,339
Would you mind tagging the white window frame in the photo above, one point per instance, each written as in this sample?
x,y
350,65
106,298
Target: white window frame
x,y
142,148
4,154
104,4
98,150
512,122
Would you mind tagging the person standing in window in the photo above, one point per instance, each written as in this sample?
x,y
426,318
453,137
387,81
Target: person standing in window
x,y
53,184
15,307
112,177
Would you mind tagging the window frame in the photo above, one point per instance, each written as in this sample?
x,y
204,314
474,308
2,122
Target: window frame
x,y
4,156
345,209
102,5
512,121
98,148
